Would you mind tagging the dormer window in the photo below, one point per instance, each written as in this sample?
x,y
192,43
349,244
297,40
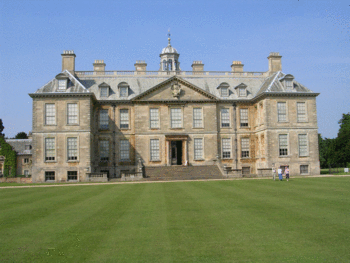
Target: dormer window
x,y
288,82
224,89
241,90
123,90
104,90
62,84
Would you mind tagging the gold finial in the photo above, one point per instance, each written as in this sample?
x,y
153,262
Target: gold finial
x,y
169,36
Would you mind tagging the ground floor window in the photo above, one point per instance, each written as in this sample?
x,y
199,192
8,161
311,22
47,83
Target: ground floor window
x,y
50,176
304,169
226,148
72,175
198,149
154,150
26,173
124,150
245,170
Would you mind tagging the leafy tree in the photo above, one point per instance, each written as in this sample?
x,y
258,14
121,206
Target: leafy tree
x,y
1,128
21,135
342,144
327,152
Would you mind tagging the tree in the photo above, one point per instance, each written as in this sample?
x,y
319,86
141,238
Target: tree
x,y
21,135
1,128
342,143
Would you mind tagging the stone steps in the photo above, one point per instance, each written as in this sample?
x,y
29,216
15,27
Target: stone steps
x,y
167,173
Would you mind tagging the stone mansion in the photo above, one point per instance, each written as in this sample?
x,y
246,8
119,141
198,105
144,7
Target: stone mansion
x,y
115,122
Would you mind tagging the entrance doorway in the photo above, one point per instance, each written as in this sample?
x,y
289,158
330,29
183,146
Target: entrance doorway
x,y
176,152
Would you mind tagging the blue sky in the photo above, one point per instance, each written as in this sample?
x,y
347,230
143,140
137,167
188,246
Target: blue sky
x,y
312,36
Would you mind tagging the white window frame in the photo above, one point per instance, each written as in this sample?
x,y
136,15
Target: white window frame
x,y
50,114
123,91
124,119
245,147
228,118
104,92
282,114
197,119
154,150
154,122
104,150
281,147
242,92
72,149
303,145
72,114
124,150
176,123
198,149
62,84
103,119
26,173
50,149
301,116
244,117
226,142
26,160
224,92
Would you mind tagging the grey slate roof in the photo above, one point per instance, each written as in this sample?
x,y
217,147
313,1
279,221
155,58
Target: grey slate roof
x,y
256,85
19,145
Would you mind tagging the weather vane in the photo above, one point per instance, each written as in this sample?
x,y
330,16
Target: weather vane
x,y
169,36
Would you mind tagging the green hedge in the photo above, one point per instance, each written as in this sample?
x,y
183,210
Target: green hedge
x,y
10,158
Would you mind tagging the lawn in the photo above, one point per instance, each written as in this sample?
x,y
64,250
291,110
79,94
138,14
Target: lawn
x,y
303,220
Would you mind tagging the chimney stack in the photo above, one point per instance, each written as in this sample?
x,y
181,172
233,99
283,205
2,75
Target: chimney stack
x,y
99,66
68,61
140,67
237,66
275,63
197,67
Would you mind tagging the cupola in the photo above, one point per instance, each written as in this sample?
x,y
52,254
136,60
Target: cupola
x,y
169,58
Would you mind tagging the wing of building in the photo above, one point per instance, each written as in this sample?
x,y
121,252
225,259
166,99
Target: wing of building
x,y
114,122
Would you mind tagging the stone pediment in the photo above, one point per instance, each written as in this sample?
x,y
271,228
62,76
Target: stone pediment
x,y
175,89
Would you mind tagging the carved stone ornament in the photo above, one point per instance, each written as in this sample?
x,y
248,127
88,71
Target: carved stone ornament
x,y
176,89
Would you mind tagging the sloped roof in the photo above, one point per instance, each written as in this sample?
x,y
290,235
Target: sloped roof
x,y
19,145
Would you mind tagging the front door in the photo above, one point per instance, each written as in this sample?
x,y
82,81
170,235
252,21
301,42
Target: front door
x,y
176,152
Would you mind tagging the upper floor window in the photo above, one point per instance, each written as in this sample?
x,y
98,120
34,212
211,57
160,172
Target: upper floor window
x,y
301,112
62,84
104,150
72,148
226,148
225,118
176,118
287,80
282,111
50,114
197,118
28,147
26,160
123,90
245,147
104,119
104,92
72,113
154,118
243,113
283,144
154,145
198,148
224,89
302,139
124,150
50,152
242,92
124,119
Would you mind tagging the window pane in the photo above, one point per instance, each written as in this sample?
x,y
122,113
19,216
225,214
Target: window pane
x,y
245,147
176,118
124,119
303,145
50,153
62,84
104,92
304,169
154,118
244,117
50,114
123,92
49,176
104,150
72,175
154,150
226,148
225,118
301,112
282,111
72,113
242,92
72,149
198,148
197,118
224,92
283,144
124,150
104,119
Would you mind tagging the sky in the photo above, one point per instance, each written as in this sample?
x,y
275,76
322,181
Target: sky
x,y
313,38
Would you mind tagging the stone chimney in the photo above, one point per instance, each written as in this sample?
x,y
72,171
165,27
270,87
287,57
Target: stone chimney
x,y
140,67
274,62
68,61
99,66
237,66
197,67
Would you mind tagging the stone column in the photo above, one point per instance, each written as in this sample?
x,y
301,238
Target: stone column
x,y
167,151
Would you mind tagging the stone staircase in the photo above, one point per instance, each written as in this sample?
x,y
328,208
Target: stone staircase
x,y
168,173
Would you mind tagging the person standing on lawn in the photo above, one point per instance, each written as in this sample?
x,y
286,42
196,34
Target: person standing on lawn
x,y
287,173
280,173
